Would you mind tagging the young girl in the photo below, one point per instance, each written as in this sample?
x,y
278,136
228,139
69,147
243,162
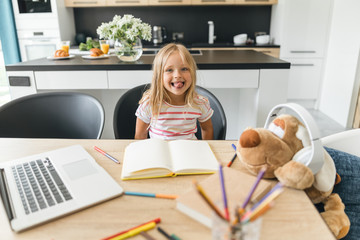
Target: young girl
x,y
170,108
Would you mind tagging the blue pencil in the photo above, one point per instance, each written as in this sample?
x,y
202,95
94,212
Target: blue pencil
x,y
154,195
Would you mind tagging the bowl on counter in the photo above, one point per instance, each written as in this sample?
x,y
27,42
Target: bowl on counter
x,y
240,39
262,39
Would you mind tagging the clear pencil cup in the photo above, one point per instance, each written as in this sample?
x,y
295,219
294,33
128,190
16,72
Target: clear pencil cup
x,y
223,230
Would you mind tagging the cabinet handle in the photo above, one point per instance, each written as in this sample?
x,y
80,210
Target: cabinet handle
x,y
213,0
88,2
128,1
256,0
170,0
311,51
302,64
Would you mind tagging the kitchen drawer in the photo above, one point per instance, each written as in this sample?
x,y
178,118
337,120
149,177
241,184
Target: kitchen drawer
x,y
256,2
212,2
304,78
71,80
169,2
85,3
128,79
228,78
126,2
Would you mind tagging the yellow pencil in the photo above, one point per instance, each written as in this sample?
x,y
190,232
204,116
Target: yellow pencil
x,y
135,231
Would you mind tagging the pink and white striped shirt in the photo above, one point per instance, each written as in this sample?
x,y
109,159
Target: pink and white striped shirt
x,y
175,122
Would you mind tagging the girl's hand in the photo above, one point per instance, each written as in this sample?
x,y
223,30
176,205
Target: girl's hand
x,y
207,130
141,131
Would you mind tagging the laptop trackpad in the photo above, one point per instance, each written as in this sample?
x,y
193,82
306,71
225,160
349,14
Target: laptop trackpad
x,y
79,169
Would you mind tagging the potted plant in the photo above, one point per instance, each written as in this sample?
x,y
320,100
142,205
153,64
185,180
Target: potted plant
x,y
127,32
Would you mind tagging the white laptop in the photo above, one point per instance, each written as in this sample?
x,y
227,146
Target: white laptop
x,y
42,187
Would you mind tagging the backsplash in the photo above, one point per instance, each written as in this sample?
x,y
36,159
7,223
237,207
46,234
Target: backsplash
x,y
191,20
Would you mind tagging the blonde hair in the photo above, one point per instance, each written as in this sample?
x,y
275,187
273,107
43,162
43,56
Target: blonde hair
x,y
157,94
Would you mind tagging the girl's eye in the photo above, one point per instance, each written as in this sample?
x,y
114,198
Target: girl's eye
x,y
185,69
168,70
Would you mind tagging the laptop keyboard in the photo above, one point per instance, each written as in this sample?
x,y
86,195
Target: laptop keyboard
x,y
39,185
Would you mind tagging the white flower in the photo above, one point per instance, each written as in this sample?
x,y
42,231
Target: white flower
x,y
126,28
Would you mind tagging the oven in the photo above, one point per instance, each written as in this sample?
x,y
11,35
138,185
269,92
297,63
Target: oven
x,y
41,25
37,48
26,7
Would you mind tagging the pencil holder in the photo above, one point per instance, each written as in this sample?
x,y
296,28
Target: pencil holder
x,y
223,230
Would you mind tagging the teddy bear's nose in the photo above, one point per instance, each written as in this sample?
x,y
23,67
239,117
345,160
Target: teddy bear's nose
x,y
249,138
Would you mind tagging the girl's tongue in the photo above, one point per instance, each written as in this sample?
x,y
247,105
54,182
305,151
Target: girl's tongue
x,y
178,84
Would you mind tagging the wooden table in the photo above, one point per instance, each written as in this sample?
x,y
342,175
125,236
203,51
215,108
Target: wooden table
x,y
292,217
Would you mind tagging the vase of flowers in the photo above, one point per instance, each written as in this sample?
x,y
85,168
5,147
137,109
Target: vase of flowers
x,y
127,32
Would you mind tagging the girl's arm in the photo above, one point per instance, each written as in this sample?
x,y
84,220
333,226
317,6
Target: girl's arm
x,y
141,131
207,130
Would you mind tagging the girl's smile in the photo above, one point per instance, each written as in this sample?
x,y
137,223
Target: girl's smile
x,y
176,78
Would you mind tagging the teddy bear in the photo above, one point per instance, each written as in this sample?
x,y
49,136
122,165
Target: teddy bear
x,y
277,148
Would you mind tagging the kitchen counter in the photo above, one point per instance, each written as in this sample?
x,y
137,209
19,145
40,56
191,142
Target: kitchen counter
x,y
220,45
247,83
209,59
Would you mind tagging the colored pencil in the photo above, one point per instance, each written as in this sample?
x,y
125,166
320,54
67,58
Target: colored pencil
x,y
262,204
168,236
208,201
106,154
252,190
156,220
224,192
135,231
233,158
146,236
154,195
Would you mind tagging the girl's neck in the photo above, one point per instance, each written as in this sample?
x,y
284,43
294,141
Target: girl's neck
x,y
177,100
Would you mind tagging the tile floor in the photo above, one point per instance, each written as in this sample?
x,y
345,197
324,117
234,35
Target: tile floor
x,y
326,125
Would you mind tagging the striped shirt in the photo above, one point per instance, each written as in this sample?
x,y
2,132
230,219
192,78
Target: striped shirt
x,y
175,122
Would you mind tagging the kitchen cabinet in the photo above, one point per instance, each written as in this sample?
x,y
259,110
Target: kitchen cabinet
x,y
212,2
301,27
256,2
169,2
303,78
85,3
126,2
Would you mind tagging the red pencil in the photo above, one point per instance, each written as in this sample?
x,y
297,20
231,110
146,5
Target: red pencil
x,y
156,220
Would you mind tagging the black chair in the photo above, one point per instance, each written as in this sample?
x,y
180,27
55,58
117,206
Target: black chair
x,y
125,119
52,115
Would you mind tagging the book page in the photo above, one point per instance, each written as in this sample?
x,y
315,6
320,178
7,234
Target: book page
x,y
146,155
192,156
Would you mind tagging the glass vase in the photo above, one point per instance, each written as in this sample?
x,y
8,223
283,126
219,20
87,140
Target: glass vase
x,y
127,50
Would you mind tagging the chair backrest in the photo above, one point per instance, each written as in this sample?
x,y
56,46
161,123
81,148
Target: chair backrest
x,y
52,115
346,141
125,119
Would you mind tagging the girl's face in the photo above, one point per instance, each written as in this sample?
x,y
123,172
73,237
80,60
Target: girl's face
x,y
176,78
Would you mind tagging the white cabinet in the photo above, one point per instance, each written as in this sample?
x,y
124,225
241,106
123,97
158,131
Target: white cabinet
x,y
305,28
303,78
301,28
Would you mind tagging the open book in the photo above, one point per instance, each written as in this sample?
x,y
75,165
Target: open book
x,y
152,158
237,186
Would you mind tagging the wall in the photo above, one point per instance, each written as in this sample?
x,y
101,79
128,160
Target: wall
x,y
340,85
192,20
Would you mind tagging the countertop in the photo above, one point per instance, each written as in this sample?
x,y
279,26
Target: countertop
x,y
219,45
209,59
